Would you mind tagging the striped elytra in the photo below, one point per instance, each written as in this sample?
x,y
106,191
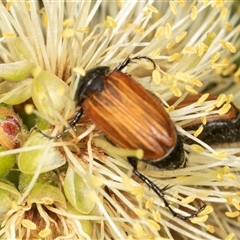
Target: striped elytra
x,y
130,116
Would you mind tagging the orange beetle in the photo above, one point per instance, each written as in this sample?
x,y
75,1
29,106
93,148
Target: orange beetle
x,y
132,118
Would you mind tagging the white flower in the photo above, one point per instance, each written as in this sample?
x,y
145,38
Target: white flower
x,y
44,45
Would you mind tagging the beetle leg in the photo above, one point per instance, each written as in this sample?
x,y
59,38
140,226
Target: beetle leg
x,y
129,60
76,118
160,193
71,125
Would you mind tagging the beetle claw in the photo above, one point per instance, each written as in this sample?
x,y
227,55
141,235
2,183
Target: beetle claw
x,y
71,125
52,137
167,187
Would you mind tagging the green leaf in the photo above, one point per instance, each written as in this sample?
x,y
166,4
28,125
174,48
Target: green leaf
x,y
50,93
49,158
13,93
11,190
87,225
44,178
21,50
46,194
77,191
7,195
16,71
6,163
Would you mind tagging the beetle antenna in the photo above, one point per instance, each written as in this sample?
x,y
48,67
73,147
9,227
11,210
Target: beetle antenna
x,y
129,60
148,58
71,125
160,193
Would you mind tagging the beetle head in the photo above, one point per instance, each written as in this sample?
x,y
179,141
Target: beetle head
x,y
91,82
